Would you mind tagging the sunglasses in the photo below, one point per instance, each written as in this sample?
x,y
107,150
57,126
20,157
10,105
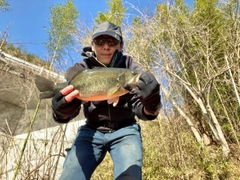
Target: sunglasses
x,y
102,40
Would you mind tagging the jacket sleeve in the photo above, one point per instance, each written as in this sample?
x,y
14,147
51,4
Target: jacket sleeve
x,y
138,109
64,121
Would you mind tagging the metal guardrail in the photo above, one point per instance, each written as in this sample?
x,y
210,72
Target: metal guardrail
x,y
7,58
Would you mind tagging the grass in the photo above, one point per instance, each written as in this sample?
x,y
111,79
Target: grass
x,y
171,152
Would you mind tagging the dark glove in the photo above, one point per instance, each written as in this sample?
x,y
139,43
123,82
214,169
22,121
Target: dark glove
x,y
63,109
147,91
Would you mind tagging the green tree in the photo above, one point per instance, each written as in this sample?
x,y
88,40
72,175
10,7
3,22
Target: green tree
x,y
115,14
62,27
4,6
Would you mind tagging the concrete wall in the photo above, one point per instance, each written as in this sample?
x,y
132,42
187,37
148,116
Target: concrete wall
x,y
19,96
48,139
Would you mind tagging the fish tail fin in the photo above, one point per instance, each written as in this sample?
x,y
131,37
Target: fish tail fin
x,y
47,94
45,86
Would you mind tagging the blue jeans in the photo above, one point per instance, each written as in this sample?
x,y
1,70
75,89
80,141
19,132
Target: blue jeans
x,y
90,147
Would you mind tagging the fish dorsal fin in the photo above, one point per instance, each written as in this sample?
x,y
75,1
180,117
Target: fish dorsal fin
x,y
73,71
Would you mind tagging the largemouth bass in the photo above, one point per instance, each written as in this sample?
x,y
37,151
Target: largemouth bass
x,y
93,84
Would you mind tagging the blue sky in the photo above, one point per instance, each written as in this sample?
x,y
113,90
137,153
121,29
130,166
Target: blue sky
x,y
27,19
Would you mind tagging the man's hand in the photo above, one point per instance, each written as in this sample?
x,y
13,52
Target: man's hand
x,y
69,93
65,103
147,91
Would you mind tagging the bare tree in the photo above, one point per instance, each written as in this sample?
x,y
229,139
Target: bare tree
x,y
192,51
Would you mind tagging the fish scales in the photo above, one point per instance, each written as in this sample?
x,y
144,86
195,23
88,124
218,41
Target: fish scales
x,y
99,82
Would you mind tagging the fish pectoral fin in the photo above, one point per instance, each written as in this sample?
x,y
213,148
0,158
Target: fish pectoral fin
x,y
113,91
113,101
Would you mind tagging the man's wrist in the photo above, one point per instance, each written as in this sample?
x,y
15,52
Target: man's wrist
x,y
153,105
60,120
60,117
152,113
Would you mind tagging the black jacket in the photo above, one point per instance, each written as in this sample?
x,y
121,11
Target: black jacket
x,y
128,106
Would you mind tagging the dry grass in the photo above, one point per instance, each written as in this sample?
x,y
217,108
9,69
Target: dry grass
x,y
171,152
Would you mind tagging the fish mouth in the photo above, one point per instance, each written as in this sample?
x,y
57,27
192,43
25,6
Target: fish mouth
x,y
135,80
138,77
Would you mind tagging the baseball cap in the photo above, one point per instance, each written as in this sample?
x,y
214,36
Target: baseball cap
x,y
107,28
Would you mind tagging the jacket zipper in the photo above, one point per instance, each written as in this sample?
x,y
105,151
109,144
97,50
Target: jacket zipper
x,y
109,113
112,65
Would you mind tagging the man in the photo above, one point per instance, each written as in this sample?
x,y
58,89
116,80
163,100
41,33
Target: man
x,y
108,128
